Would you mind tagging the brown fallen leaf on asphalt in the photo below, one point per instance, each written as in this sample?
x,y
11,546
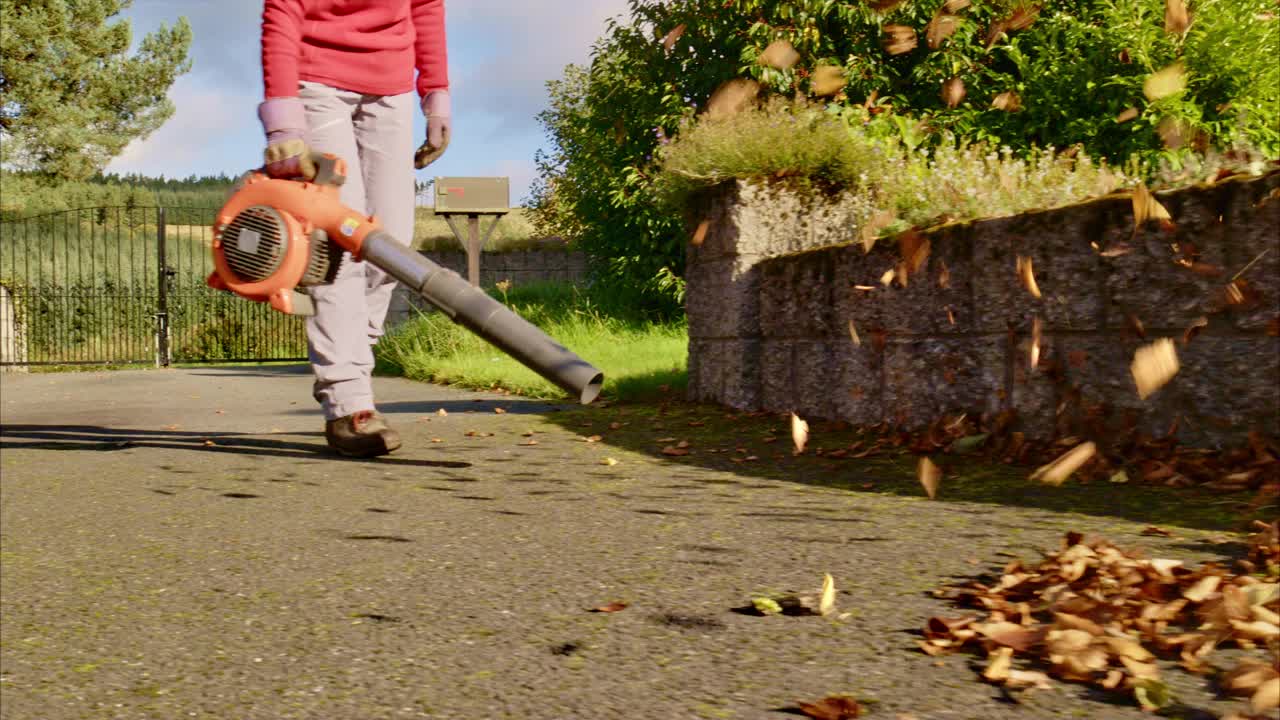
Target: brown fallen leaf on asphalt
x,y
953,92
1176,20
898,39
1135,324
827,600
780,54
700,233
929,475
1153,530
1167,81
442,412
1008,101
799,433
1001,661
827,80
612,607
1033,679
499,411
732,98
836,707
674,451
530,441
1126,115
1153,366
669,40
1028,276
1057,472
609,461
593,439
853,333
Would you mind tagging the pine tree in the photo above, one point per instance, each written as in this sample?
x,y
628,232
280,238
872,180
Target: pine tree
x,y
71,94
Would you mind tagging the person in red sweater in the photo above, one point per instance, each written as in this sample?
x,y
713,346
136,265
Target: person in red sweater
x,y
345,77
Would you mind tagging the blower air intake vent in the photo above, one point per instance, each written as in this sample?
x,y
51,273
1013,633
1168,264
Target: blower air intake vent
x,y
254,243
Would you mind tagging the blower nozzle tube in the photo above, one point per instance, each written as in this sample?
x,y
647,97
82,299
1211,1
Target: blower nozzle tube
x,y
486,317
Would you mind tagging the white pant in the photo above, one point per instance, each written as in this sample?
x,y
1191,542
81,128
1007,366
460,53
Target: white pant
x,y
374,135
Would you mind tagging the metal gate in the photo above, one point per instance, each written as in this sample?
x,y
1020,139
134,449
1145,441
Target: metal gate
x,y
126,285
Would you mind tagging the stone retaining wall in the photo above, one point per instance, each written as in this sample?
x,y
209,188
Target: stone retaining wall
x,y
520,267
769,324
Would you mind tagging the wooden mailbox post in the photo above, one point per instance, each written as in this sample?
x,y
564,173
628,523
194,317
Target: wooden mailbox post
x,y
473,197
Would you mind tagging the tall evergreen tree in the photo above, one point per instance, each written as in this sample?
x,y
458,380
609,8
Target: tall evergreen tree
x,y
72,96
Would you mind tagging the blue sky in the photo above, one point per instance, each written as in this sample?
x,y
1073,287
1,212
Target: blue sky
x,y
501,53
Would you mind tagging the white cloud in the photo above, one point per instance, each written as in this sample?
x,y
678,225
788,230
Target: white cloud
x,y
502,53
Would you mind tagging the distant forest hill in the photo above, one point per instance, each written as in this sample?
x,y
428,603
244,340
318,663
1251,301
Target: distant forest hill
x,y
24,194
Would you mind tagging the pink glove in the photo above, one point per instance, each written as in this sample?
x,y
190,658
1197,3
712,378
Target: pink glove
x,y
285,121
435,105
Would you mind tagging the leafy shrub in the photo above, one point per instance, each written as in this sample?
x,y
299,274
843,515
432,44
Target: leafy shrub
x,y
1068,74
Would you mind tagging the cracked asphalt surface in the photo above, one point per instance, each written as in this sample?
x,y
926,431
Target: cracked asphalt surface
x,y
178,543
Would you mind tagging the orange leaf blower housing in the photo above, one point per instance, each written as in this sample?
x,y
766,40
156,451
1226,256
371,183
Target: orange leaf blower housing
x,y
273,236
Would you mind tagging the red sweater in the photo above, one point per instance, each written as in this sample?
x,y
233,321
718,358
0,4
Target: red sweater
x,y
366,46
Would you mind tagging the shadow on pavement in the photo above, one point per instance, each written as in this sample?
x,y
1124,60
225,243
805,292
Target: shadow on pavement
x,y
91,438
760,446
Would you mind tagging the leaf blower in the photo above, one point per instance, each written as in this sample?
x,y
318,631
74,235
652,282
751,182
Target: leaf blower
x,y
274,236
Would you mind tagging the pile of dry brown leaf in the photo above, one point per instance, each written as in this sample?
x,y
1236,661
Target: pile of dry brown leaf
x,y
1093,613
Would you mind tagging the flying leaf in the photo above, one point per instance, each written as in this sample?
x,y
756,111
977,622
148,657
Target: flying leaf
x,y
1146,207
612,607
827,80
836,707
780,54
953,92
1023,17
929,475
732,97
827,601
1173,132
1165,82
442,412
898,39
887,278
1008,101
871,230
940,28
1153,366
944,275
1127,114
799,433
1036,328
700,233
609,461
1027,274
955,6
1176,20
853,333
669,40
1057,472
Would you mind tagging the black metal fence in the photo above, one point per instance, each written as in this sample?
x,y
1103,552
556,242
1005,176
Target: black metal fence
x,y
124,285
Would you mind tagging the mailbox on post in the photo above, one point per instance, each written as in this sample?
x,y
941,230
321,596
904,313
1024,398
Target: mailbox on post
x,y
474,198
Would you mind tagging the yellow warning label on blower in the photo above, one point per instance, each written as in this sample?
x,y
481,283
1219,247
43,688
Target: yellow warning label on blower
x,y
349,226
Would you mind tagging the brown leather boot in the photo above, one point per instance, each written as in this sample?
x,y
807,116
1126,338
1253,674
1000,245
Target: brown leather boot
x,y
362,434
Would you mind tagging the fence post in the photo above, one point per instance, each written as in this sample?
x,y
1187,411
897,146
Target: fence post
x,y
162,302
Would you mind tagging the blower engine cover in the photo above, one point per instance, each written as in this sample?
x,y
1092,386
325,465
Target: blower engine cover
x,y
263,253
